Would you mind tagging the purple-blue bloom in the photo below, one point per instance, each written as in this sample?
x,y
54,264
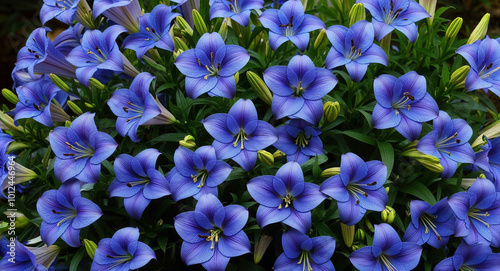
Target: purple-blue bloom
x,y
470,257
80,149
299,140
196,173
387,252
138,181
123,12
430,224
449,141
488,159
70,38
285,197
210,67
403,103
484,60
298,89
401,15
238,10
23,259
289,23
65,212
153,32
303,253
358,188
123,251
212,233
62,10
354,48
478,213
239,134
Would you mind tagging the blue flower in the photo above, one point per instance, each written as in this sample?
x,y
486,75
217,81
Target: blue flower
x,y
354,48
298,89
123,12
210,67
26,258
64,213
196,173
62,10
212,233
401,15
358,187
403,103
80,149
478,213
470,257
488,159
138,182
153,32
303,253
69,39
239,134
238,10
484,60
285,197
299,140
387,252
289,23
430,224
448,142
123,251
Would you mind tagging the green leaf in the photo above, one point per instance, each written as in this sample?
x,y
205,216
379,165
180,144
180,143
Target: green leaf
x,y
418,190
77,258
320,159
171,137
387,155
360,137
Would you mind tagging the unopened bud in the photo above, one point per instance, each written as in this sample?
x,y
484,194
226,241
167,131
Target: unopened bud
x,y
458,77
199,24
454,28
177,53
265,157
15,146
4,226
89,105
331,110
10,96
329,172
480,31
237,77
347,233
59,83
430,7
188,142
9,123
183,25
355,247
491,131
223,30
321,41
260,87
388,214
261,247
90,247
74,108
180,44
95,83
357,13
67,124
387,190
360,235
430,162
279,154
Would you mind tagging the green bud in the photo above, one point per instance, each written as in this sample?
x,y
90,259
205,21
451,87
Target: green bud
x,y
480,31
199,24
329,172
355,247
278,154
331,110
188,142
260,87
458,77
95,83
430,162
21,220
433,164
261,247
15,146
90,247
184,25
180,44
59,83
265,157
387,190
388,214
237,77
347,233
321,41
491,131
4,226
89,105
74,108
9,123
177,53
360,235
10,96
67,124
357,13
223,30
453,29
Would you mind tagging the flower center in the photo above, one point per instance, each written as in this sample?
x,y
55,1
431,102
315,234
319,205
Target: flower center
x,y
213,237
79,151
477,214
201,176
466,268
427,220
304,260
39,107
353,53
99,57
298,90
145,181
69,214
133,108
152,33
355,190
288,201
484,73
447,142
401,103
390,16
64,4
288,31
301,140
119,259
234,6
37,51
240,137
387,263
213,69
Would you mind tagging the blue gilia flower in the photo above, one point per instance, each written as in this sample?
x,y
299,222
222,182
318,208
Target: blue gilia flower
x,y
41,100
80,149
298,88
354,48
387,252
488,159
63,11
136,106
478,213
403,103
358,187
401,15
28,258
196,173
210,67
64,213
470,257
99,56
239,134
153,32
299,140
484,60
303,253
138,181
212,233
289,23
123,251
123,12
448,142
430,224
285,197
238,10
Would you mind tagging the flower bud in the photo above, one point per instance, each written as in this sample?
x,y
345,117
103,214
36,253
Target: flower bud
x,y
21,220
90,247
177,53
355,247
453,29
10,96
237,77
15,146
387,190
388,214
188,142
4,226
458,77
347,233
491,131
430,7
261,247
183,25
260,87
199,24
67,124
357,13
9,123
430,162
480,31
331,110
180,44
95,83
360,235
89,105
223,30
74,108
265,157
279,154
59,83
321,41
329,172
